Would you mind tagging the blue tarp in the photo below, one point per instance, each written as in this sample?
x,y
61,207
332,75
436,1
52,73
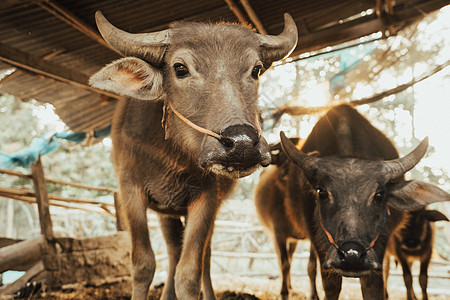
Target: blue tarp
x,y
43,145
349,59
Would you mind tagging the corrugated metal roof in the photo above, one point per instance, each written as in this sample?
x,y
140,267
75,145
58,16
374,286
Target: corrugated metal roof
x,y
54,58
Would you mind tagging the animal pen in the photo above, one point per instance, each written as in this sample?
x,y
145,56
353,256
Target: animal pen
x,y
48,50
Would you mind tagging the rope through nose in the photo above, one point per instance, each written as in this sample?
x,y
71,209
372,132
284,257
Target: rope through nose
x,y
372,243
195,126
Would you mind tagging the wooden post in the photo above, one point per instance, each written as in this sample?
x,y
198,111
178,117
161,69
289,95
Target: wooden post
x,y
40,189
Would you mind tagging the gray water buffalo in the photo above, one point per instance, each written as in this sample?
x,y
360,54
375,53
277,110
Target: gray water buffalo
x,y
345,192
187,128
414,242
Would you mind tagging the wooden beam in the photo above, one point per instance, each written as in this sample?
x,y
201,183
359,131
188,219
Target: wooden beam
x,y
49,69
19,254
253,16
237,12
340,33
68,17
40,188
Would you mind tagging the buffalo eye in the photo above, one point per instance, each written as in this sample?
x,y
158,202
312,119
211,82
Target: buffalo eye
x,y
256,71
378,197
322,193
181,71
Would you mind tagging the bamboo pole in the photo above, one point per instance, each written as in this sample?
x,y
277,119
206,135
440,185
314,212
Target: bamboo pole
x,y
300,110
32,200
101,189
25,192
253,16
72,20
237,12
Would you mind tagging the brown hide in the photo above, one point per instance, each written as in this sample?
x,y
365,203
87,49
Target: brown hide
x,y
287,207
186,164
413,242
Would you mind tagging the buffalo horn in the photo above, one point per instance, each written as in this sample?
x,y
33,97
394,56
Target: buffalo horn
x,y
399,166
147,46
306,162
276,47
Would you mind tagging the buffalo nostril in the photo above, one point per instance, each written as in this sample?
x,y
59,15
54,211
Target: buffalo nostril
x,y
227,142
240,134
352,252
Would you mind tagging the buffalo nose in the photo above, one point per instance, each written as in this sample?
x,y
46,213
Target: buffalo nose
x,y
352,252
239,136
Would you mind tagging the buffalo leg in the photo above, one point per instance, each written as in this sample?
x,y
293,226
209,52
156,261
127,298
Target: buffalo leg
x,y
285,265
172,229
197,234
206,276
372,286
312,273
423,277
332,284
143,262
407,278
386,270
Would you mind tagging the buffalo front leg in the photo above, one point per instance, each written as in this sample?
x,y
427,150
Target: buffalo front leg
x,y
372,286
197,234
386,269
332,284
423,277
312,273
172,230
285,265
407,278
208,291
142,257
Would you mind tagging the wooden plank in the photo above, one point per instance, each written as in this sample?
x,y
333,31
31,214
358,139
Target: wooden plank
x,y
89,260
40,188
49,69
14,287
21,253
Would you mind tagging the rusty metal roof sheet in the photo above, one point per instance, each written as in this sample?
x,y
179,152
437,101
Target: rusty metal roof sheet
x,y
55,46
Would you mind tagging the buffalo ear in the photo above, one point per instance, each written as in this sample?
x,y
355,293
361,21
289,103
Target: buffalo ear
x,y
414,194
130,77
434,215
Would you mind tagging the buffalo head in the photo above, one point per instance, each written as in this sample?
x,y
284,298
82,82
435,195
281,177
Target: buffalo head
x,y
209,74
353,197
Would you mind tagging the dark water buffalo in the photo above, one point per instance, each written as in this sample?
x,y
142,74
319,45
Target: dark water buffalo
x,y
345,192
186,131
414,242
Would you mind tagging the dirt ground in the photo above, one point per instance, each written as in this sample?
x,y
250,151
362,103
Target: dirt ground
x,y
238,288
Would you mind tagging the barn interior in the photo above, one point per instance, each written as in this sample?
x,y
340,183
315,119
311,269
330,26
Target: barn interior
x,y
50,48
